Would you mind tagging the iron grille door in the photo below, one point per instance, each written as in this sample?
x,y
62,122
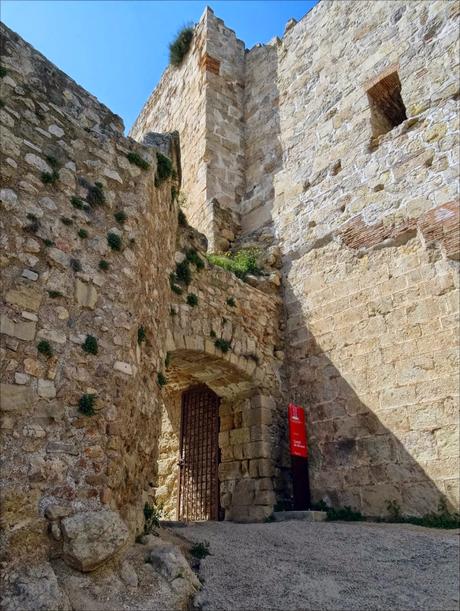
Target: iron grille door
x,y
199,451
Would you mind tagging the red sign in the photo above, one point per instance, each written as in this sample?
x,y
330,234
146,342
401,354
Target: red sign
x,y
297,431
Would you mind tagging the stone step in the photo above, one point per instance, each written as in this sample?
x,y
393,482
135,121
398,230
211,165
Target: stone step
x,y
307,516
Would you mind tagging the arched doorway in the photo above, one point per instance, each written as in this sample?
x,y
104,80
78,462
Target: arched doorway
x,y
198,495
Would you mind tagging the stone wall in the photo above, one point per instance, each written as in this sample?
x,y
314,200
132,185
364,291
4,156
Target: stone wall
x,y
60,151
369,234
179,103
82,321
363,206
263,153
203,100
247,378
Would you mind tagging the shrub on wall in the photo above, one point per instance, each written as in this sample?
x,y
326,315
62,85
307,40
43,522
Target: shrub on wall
x,y
179,47
164,169
240,263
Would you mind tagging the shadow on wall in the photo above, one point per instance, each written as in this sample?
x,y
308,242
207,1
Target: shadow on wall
x,y
353,458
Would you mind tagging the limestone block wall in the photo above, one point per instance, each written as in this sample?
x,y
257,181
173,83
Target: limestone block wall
x,y
179,103
224,114
252,471
262,146
63,189
368,228
203,100
55,291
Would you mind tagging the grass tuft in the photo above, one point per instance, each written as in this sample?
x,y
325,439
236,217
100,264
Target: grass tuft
x,y
192,300
241,263
200,550
222,344
179,47
194,257
114,241
136,159
75,265
96,196
86,404
90,345
44,347
183,273
77,202
120,216
49,178
164,169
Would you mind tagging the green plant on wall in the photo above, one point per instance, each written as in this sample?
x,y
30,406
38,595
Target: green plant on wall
x,y
241,263
194,257
136,159
179,47
183,273
152,517
114,241
222,344
192,300
86,404
120,217
96,196
141,335
90,345
44,348
161,379
164,169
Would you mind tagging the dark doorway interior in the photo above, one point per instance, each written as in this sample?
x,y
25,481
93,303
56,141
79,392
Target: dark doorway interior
x,y
199,455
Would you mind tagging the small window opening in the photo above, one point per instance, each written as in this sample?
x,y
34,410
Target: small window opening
x,y
386,104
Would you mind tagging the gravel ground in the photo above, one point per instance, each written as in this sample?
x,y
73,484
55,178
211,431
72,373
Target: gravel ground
x,y
295,566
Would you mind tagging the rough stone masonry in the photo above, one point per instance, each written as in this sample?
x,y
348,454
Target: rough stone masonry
x,y
334,150
339,144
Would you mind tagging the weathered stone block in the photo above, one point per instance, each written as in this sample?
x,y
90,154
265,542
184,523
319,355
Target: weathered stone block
x,y
27,297
85,294
91,538
21,330
15,398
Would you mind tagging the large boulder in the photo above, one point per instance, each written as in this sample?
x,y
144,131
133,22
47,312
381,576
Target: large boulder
x,y
92,537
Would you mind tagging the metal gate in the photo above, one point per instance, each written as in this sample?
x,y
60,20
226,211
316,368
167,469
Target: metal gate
x,y
199,455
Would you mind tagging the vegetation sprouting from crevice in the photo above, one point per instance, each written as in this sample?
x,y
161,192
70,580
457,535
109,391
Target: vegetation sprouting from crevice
x,y
179,47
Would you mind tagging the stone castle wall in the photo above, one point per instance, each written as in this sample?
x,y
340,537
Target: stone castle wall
x,y
202,98
369,235
179,103
367,226
53,242
55,291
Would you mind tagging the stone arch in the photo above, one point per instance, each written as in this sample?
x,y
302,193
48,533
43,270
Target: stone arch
x,y
247,417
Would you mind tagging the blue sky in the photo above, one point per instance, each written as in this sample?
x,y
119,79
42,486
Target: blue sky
x,y
118,50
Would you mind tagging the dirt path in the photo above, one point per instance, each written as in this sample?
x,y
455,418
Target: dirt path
x,y
295,566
